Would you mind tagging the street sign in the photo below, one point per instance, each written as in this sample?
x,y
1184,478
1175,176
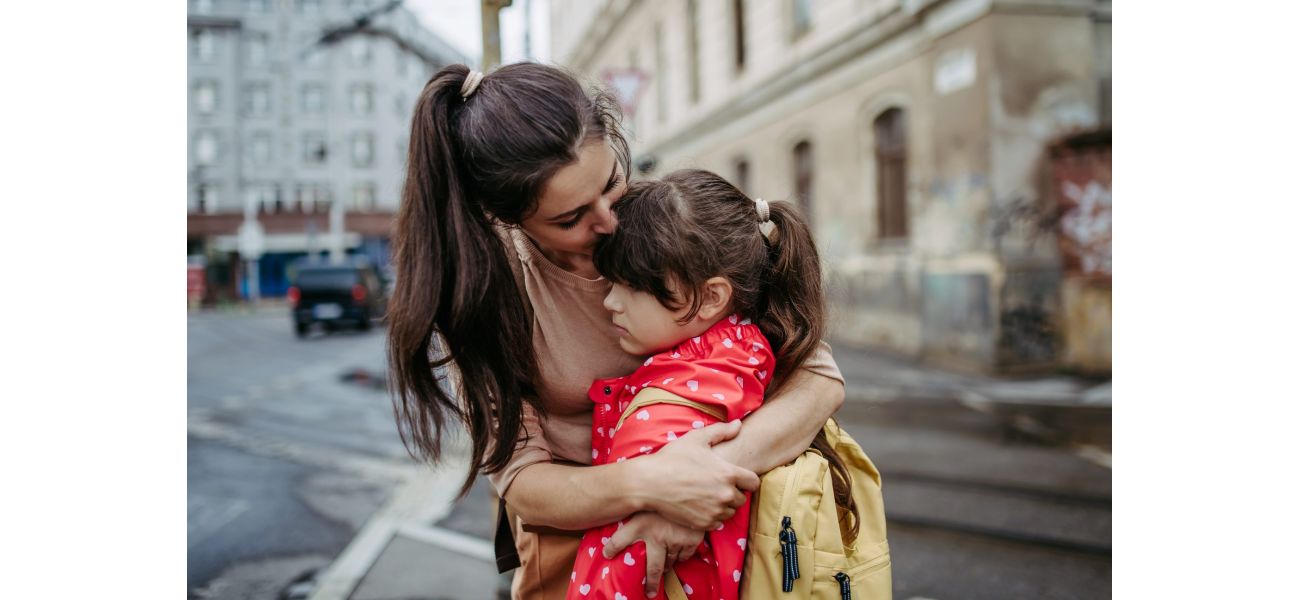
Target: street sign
x,y
627,85
252,240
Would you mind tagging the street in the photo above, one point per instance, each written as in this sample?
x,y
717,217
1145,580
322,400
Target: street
x,y
294,462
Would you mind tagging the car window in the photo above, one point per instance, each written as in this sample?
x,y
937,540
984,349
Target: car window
x,y
326,278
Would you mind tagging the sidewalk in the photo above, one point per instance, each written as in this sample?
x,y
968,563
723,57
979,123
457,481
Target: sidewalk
x,y
446,552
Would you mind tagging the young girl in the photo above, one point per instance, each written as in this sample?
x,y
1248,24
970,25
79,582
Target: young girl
x,y
723,311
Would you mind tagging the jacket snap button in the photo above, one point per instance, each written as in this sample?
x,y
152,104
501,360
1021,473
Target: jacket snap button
x,y
607,390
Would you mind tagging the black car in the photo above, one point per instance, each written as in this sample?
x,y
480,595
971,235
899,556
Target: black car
x,y
336,295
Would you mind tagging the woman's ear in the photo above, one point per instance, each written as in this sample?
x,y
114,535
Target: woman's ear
x,y
717,298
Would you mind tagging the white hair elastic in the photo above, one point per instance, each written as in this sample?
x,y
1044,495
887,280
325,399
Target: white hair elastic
x,y
763,212
471,83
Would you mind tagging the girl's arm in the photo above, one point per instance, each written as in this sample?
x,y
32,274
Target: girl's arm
x,y
685,481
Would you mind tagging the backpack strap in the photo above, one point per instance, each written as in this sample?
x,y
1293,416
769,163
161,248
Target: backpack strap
x,y
652,395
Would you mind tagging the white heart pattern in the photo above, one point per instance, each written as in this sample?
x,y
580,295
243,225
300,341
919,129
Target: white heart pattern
x,y
693,384
643,415
740,382
604,541
727,342
668,380
604,572
584,589
757,346
591,551
746,322
618,596
720,397
762,375
595,453
735,575
601,430
732,318
687,587
648,361
753,361
697,424
621,459
741,542
628,560
646,449
573,576
677,355
671,436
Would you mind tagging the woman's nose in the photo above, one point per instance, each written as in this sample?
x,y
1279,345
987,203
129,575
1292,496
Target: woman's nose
x,y
606,222
610,304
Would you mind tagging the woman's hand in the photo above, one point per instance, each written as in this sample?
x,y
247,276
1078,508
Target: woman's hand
x,y
688,484
665,543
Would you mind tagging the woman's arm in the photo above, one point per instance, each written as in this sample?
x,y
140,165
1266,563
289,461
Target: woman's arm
x,y
685,481
780,430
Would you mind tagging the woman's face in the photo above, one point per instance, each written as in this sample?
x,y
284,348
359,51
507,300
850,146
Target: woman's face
x,y
574,209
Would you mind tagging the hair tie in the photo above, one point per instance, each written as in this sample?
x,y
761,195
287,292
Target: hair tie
x,y
763,212
471,83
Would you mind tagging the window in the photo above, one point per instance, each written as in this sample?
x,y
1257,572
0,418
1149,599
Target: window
x,y
661,76
264,198
259,148
205,97
314,149
308,6
313,197
742,175
363,149
258,6
206,198
257,100
738,33
362,99
205,148
258,49
308,54
803,178
359,50
891,174
693,47
202,7
363,197
800,18
204,47
313,98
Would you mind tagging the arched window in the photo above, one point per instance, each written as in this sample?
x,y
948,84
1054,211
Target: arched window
x,y
803,178
891,174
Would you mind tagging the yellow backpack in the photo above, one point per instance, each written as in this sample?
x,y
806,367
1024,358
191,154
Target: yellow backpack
x,y
799,538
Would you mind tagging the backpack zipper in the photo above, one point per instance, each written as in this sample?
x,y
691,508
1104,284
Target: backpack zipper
x,y
789,555
845,592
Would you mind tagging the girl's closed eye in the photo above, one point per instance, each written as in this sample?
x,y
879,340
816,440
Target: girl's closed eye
x,y
570,224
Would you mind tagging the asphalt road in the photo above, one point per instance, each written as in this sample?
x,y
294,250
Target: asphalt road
x,y
287,461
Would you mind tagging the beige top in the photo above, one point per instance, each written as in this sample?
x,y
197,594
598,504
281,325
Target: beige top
x,y
575,345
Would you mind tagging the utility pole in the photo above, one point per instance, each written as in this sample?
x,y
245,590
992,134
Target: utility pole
x,y
491,10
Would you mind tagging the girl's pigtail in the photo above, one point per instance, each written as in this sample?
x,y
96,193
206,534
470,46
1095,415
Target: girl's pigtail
x,y
793,305
453,282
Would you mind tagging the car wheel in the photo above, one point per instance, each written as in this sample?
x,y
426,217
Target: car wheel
x,y
300,329
365,322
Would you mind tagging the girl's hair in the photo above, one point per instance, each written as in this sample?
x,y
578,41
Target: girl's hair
x,y
693,225
474,166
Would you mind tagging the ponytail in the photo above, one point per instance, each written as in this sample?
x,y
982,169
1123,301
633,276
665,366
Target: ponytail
x,y
455,301
793,317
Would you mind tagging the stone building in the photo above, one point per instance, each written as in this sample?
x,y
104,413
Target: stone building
x,y
916,136
294,133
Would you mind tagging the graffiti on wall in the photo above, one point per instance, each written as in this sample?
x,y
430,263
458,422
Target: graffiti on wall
x,y
1085,227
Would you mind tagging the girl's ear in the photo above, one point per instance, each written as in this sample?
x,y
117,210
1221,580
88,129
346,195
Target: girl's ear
x,y
717,299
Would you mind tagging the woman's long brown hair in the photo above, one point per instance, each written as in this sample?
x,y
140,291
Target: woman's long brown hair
x,y
460,343
692,225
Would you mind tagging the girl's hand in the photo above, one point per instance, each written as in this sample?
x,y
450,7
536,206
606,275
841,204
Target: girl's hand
x,y
665,543
689,485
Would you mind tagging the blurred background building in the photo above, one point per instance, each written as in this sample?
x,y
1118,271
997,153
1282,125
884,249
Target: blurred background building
x,y
299,114
951,155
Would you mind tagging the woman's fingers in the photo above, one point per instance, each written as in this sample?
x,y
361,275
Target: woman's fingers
x,y
654,567
713,434
624,537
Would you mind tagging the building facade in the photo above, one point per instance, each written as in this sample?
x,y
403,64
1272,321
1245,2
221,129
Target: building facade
x,y
915,135
293,132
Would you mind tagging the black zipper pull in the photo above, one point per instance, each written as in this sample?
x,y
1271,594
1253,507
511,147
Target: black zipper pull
x,y
845,592
789,555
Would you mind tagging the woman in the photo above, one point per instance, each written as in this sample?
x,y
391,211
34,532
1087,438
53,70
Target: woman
x,y
510,179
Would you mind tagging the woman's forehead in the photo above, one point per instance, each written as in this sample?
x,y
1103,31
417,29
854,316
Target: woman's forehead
x,y
579,183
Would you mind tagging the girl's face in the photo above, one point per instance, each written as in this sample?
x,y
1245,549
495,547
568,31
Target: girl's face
x,y
644,326
574,208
